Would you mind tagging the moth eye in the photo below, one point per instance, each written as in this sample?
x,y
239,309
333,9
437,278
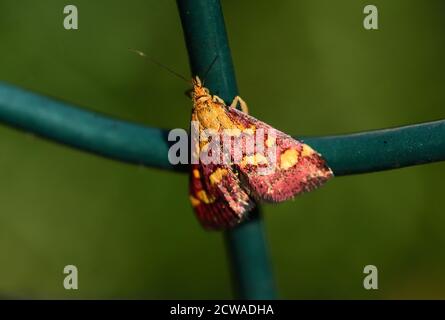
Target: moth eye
x,y
189,93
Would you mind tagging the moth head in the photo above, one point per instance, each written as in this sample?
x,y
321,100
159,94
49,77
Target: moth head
x,y
196,82
198,90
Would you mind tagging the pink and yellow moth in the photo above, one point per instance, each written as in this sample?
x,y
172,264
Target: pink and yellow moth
x,y
223,192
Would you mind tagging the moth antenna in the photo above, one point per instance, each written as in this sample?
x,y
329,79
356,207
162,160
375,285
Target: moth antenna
x,y
209,68
142,54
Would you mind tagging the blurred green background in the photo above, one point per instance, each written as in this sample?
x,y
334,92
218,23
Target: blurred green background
x,y
307,67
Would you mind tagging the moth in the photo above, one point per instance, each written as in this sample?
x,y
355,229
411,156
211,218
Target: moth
x,y
273,168
250,160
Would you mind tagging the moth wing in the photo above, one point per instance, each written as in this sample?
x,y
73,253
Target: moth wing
x,y
288,168
217,196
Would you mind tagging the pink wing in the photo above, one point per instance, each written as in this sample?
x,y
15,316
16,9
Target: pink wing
x,y
288,168
217,196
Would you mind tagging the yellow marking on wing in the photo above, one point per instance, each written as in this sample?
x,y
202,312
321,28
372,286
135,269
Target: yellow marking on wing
x,y
249,131
205,146
232,132
217,176
288,159
254,160
202,195
270,142
196,173
195,202
306,151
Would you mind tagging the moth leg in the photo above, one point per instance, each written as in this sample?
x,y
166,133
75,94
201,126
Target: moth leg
x,y
242,104
218,99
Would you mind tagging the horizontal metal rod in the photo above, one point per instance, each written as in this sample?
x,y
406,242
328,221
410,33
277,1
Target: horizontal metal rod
x,y
135,143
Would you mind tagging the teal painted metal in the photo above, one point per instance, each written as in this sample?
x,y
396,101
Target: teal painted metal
x,y
86,130
206,40
134,143
383,149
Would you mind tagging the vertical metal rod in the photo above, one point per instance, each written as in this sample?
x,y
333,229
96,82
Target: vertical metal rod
x,y
206,38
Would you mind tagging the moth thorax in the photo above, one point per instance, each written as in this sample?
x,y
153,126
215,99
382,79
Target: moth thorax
x,y
202,101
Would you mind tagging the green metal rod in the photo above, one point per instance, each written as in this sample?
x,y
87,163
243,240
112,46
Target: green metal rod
x,y
134,143
206,40
383,149
124,141
82,129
